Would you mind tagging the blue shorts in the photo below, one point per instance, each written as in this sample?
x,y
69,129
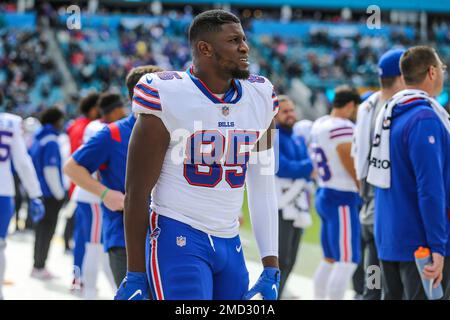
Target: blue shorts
x,y
6,212
88,228
184,263
341,230
89,220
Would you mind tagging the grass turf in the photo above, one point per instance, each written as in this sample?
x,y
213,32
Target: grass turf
x,y
311,235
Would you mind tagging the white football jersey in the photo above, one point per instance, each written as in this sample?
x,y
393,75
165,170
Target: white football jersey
x,y
203,174
13,148
79,194
327,133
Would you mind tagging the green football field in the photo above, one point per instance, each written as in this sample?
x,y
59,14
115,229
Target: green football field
x,y
309,254
311,235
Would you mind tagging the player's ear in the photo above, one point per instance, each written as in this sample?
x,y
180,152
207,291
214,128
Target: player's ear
x,y
204,49
431,72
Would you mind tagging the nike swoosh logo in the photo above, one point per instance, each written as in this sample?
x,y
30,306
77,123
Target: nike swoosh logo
x,y
135,294
274,287
238,249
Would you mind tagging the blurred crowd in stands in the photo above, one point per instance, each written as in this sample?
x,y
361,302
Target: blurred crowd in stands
x,y
100,57
28,76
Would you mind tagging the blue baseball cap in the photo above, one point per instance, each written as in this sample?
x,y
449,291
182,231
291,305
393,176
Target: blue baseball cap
x,y
389,63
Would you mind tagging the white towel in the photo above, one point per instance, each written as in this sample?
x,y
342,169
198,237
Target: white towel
x,y
361,137
379,173
288,190
293,200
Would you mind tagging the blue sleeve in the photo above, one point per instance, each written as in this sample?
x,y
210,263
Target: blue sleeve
x,y
95,152
427,144
293,168
51,156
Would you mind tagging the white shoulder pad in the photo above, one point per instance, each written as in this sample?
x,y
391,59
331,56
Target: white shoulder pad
x,y
265,88
149,92
11,121
341,131
146,97
344,122
91,129
261,84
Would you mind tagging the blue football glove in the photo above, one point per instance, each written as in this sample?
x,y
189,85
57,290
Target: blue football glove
x,y
267,285
36,210
133,287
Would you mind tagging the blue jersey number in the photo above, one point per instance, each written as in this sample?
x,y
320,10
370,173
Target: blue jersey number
x,y
321,162
5,148
253,78
168,75
205,150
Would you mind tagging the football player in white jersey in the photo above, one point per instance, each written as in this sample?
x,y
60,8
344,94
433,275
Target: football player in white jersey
x,y
13,148
337,199
191,147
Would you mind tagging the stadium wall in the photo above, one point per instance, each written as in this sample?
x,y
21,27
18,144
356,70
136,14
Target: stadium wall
x,y
439,6
18,20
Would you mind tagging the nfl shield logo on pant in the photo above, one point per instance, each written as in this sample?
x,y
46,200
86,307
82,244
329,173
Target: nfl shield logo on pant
x,y
181,241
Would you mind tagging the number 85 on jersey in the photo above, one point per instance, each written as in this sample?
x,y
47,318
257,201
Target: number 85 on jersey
x,y
211,157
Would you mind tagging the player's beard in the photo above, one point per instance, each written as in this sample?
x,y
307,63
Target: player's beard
x,y
289,122
240,74
231,68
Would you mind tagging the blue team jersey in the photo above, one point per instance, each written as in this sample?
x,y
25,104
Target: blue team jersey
x,y
292,156
45,152
107,152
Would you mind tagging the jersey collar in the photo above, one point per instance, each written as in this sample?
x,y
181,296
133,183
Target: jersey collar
x,y
235,90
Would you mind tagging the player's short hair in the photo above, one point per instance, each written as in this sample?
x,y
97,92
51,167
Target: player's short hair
x,y
107,102
209,21
51,116
135,74
89,102
345,94
283,98
415,62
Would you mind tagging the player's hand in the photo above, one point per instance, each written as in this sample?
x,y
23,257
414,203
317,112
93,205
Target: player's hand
x,y
434,270
114,200
267,285
36,209
133,287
